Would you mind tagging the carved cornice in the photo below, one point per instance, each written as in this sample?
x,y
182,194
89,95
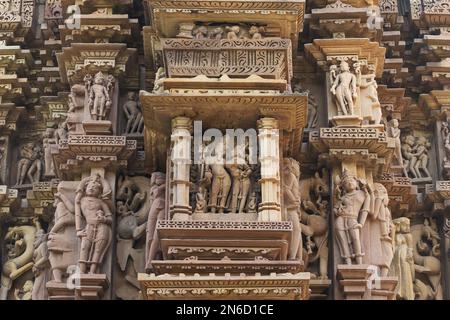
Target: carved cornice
x,y
16,19
82,58
104,27
79,152
9,116
41,196
8,201
324,51
402,193
436,103
438,194
191,266
276,286
393,101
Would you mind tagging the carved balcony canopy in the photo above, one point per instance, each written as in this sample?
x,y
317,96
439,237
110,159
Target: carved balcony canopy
x,y
269,58
282,19
236,111
288,15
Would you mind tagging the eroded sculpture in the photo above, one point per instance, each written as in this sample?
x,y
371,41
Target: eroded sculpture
x,y
133,114
344,88
402,265
134,201
96,236
62,239
291,195
351,211
20,250
157,211
99,92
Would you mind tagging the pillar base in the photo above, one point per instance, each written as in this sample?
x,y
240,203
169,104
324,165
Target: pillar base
x,y
97,127
91,286
354,280
346,121
383,288
59,291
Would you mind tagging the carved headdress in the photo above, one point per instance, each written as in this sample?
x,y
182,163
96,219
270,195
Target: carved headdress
x,y
105,188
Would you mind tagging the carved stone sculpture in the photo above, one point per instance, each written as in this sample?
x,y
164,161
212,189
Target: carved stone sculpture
x,y
344,88
370,106
99,99
26,292
158,86
62,241
133,204
394,131
351,210
35,170
291,193
426,252
240,174
377,231
402,265
314,218
157,210
221,185
421,151
47,142
133,114
26,153
62,132
96,234
20,249
41,266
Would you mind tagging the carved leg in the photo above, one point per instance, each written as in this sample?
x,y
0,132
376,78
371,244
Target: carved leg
x,y
58,275
235,195
296,234
225,190
356,242
84,254
342,240
245,188
214,192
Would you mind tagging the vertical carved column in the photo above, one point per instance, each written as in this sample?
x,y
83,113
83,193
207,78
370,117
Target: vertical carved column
x,y
269,157
181,159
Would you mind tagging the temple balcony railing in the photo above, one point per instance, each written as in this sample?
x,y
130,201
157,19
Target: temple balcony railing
x,y
269,58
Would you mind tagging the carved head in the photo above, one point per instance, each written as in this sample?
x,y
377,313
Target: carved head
x,y
348,182
94,187
344,66
99,78
381,193
27,286
394,123
291,166
158,178
402,225
131,95
320,186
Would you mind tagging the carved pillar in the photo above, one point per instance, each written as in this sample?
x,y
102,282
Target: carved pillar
x,y
269,157
181,159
